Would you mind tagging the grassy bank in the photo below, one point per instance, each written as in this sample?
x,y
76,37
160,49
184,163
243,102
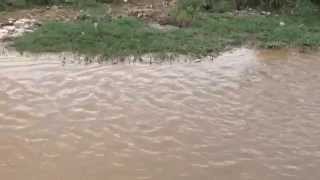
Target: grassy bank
x,y
209,32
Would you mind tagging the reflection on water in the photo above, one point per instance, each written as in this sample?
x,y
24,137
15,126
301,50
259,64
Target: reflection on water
x,y
248,115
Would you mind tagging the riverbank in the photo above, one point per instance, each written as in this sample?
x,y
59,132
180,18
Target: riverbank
x,y
98,30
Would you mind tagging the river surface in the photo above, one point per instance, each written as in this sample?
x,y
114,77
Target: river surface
x,y
246,115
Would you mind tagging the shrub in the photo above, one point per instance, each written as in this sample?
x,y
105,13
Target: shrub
x,y
185,11
224,5
304,7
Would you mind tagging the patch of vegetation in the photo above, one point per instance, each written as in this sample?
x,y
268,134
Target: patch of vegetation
x,y
210,32
186,10
227,5
116,38
203,29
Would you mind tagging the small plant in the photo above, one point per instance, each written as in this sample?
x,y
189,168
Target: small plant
x,y
305,7
183,18
185,11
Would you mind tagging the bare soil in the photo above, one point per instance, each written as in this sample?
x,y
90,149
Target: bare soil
x,y
148,10
41,14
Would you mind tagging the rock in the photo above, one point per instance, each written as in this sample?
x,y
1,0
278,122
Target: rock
x,y
197,61
54,7
140,15
11,20
9,28
3,33
16,28
25,21
19,24
266,13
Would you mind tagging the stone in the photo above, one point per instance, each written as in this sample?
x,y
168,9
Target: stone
x,y
19,24
54,7
11,19
197,61
16,28
9,28
3,34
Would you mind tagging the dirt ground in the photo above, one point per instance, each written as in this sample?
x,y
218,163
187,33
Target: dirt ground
x,y
148,10
40,14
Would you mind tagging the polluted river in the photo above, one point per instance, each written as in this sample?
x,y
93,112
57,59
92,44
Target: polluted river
x,y
245,115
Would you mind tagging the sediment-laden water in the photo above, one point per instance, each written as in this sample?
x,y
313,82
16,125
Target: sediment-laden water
x,y
247,115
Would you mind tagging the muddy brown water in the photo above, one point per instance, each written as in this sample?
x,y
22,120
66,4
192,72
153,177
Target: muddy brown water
x,y
248,115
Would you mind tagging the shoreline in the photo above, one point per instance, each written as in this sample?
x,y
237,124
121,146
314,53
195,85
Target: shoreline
x,y
93,33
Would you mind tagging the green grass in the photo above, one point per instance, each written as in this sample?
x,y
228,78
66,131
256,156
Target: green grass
x,y
208,33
